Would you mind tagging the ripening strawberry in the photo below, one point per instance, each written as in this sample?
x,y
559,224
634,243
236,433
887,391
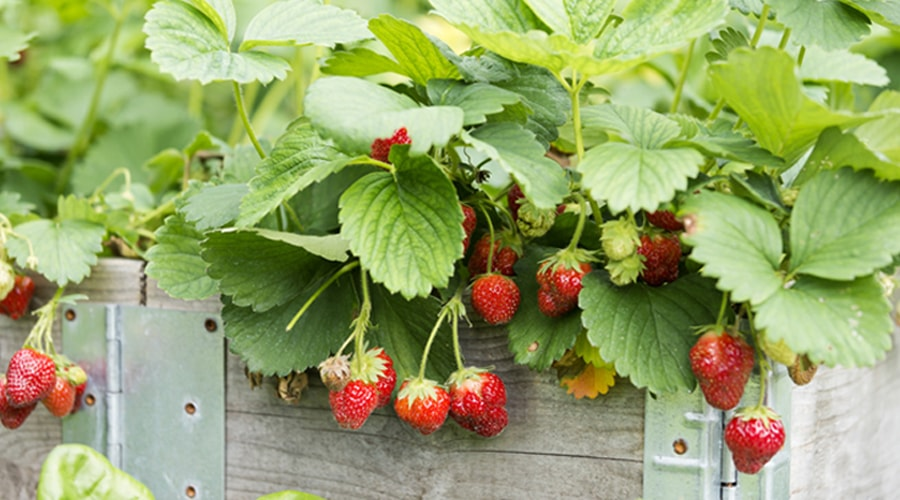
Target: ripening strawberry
x,y
387,376
754,435
552,305
352,405
15,305
29,377
478,401
468,224
381,148
79,393
496,298
61,399
423,404
512,200
661,256
665,219
722,364
505,257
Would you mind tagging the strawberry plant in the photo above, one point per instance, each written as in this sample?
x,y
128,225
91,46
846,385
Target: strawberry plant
x,y
630,173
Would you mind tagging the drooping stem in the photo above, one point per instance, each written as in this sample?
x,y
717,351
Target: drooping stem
x,y
342,271
801,55
490,259
720,105
579,227
682,77
784,38
720,321
361,323
437,326
83,136
764,366
760,26
242,111
459,310
40,337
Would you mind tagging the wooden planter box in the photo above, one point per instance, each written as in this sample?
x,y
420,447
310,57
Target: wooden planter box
x,y
845,431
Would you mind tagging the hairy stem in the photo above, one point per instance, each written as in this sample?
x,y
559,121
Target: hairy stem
x,y
682,77
242,111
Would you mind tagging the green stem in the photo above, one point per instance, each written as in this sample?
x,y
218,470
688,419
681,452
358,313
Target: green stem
x,y
457,351
575,96
720,321
83,137
682,77
361,323
764,366
437,325
784,39
342,271
760,26
271,101
801,55
40,337
579,227
720,105
195,100
124,172
490,259
166,207
242,111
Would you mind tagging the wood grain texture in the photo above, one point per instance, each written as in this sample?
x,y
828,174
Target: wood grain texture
x,y
845,432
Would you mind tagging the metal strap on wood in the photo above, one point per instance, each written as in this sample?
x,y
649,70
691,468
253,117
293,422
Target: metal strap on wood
x,y
155,399
685,456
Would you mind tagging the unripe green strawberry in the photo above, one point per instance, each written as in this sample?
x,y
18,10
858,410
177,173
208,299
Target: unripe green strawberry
x,y
61,399
619,238
778,351
496,298
661,257
722,364
352,405
29,377
423,404
626,271
534,222
754,436
381,148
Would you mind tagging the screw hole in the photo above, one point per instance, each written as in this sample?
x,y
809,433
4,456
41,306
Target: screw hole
x,y
190,492
70,314
680,446
190,408
90,400
211,325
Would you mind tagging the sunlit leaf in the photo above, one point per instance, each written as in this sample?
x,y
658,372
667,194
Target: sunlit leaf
x,y
175,262
301,22
66,250
416,55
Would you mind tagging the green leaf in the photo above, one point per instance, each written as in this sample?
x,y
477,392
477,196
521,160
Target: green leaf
x,y
30,128
580,20
263,343
330,247
78,471
836,149
300,158
883,135
189,45
259,271
845,225
213,206
518,153
537,340
301,22
758,188
737,242
648,331
845,323
841,66
359,61
220,13
417,56
66,250
354,112
405,226
12,42
883,12
763,88
641,127
826,23
477,100
12,203
401,327
175,262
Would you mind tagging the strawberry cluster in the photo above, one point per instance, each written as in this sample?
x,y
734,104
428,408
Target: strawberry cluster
x,y
34,377
15,303
478,401
356,389
381,147
559,287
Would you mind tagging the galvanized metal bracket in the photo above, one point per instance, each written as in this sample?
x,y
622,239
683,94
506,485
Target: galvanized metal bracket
x,y
155,398
685,456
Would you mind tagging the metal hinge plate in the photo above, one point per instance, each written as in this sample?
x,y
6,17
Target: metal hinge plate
x,y
155,399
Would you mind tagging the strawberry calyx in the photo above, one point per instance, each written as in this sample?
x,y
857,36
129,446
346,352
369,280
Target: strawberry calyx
x,y
759,412
415,389
461,375
368,366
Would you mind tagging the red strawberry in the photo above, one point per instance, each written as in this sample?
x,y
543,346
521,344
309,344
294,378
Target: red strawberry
x,y
352,405
553,305
16,302
79,392
422,404
61,399
381,148
468,224
722,364
30,377
512,199
496,298
11,417
661,256
505,257
665,219
387,376
754,436
478,400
